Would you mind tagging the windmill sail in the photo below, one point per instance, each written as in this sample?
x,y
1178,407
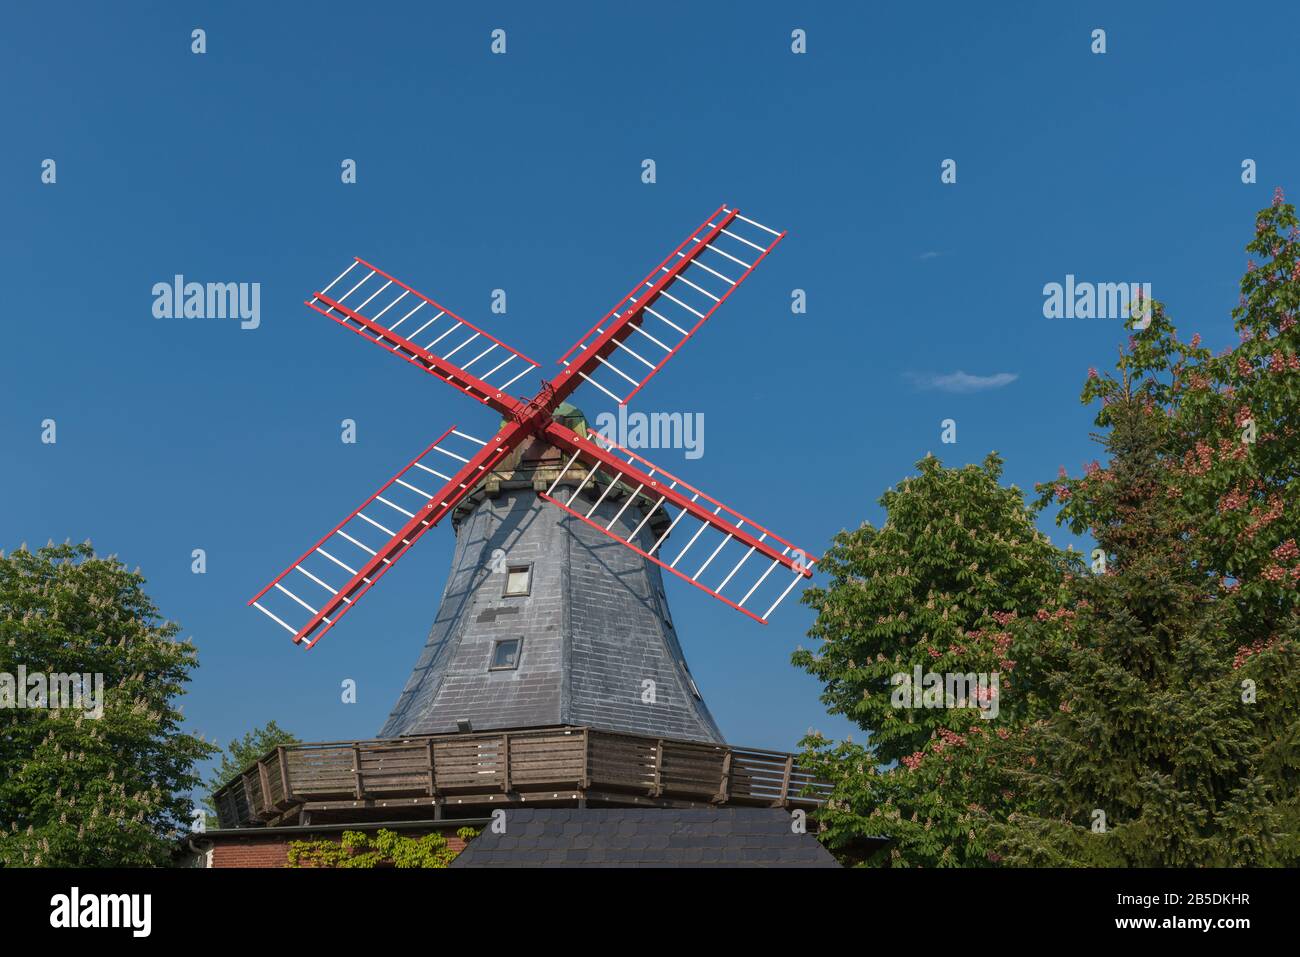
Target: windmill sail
x,y
335,572
755,567
414,327
647,327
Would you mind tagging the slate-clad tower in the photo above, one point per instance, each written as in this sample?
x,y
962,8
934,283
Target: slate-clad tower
x,y
547,621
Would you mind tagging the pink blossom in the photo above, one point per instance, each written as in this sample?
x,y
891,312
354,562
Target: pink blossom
x,y
1247,651
1204,458
1286,550
1232,501
1261,516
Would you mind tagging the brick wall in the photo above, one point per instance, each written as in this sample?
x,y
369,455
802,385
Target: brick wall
x,y
274,851
249,852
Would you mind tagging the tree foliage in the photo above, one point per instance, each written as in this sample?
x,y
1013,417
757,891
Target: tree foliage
x,y
76,791
1154,713
240,755
1175,740
955,563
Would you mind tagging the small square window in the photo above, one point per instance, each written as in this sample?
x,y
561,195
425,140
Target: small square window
x,y
663,604
694,688
691,681
505,654
519,580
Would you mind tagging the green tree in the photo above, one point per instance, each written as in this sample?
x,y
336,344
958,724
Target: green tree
x,y
238,756
939,585
76,790
1177,717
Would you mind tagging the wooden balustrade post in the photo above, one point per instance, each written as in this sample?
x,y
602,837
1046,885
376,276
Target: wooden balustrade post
x,y
284,773
356,770
265,780
724,786
658,788
785,781
586,759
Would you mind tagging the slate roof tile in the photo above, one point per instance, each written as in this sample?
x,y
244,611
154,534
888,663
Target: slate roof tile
x,y
646,837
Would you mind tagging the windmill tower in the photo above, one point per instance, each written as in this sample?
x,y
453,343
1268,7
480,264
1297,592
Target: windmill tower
x,y
545,621
554,612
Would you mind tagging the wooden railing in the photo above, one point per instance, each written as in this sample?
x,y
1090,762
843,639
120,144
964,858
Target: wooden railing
x,y
489,767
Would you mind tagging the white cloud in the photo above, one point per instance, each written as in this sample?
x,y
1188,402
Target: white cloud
x,y
961,381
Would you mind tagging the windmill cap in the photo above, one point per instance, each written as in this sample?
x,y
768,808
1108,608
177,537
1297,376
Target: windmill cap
x,y
566,414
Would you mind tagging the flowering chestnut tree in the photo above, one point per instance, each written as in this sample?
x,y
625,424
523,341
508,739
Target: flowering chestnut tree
x,y
1174,742
80,789
937,586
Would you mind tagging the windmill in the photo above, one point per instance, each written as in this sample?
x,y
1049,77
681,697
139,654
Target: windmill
x,y
611,492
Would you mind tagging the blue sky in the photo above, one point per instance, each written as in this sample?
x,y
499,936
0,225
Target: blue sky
x,y
523,172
